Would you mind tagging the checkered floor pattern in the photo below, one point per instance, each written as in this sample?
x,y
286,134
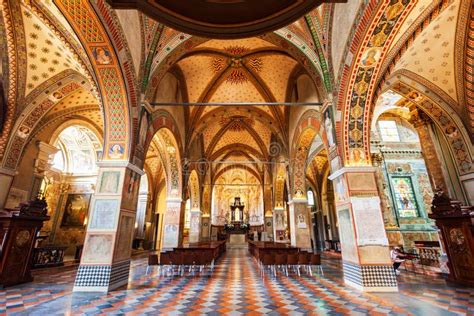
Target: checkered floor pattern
x,y
236,288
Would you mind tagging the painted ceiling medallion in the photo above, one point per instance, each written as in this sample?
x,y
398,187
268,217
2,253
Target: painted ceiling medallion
x,y
237,124
223,18
238,63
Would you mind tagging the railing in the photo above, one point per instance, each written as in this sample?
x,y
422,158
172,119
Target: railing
x,y
48,256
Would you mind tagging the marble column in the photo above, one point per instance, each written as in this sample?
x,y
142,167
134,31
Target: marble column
x,y
365,252
105,261
173,223
300,230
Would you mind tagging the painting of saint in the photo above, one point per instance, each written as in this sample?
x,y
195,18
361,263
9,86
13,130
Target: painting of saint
x,y
301,221
329,126
23,131
116,151
56,96
102,56
75,212
357,156
143,128
370,57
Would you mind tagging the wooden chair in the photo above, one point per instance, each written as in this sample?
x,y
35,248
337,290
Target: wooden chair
x,y
152,261
292,262
280,262
316,261
165,261
268,260
176,259
304,261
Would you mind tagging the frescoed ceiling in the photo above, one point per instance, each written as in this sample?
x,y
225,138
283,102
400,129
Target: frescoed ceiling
x,y
432,53
47,55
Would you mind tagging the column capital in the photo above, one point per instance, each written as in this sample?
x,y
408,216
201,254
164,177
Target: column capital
x,y
344,170
298,201
120,164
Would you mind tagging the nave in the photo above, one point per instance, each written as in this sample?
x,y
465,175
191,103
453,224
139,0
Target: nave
x,y
235,288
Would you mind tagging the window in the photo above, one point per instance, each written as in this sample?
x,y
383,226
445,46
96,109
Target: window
x,y
79,150
187,214
405,200
310,198
389,131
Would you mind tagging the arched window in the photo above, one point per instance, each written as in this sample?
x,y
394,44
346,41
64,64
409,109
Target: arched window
x,y
310,196
79,150
187,214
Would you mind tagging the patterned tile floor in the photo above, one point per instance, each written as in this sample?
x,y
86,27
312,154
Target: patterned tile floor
x,y
236,287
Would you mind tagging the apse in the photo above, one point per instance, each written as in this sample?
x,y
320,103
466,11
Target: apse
x,y
237,183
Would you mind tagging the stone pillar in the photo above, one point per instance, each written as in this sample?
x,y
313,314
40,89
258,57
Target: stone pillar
x,y
300,230
432,161
105,261
365,252
6,180
173,223
195,226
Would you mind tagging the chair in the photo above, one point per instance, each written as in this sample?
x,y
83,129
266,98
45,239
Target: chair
x,y
152,261
304,260
316,261
176,259
280,261
188,261
268,260
165,261
292,262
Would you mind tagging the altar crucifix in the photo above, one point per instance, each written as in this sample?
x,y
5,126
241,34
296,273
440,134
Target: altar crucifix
x,y
237,211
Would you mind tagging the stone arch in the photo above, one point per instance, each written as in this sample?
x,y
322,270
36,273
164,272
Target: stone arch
x,y
111,80
170,155
356,98
35,111
182,43
309,126
445,118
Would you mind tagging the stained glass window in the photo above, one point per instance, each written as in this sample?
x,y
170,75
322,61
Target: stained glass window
x,y
405,200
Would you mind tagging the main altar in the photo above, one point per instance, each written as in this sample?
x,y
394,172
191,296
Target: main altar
x,y
238,225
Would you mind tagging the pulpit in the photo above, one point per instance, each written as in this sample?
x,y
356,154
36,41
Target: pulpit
x,y
456,224
18,229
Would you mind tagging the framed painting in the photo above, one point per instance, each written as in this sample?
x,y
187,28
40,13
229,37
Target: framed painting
x,y
76,210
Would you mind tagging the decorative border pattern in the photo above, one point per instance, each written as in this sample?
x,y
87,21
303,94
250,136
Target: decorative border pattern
x,y
370,276
359,95
92,34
